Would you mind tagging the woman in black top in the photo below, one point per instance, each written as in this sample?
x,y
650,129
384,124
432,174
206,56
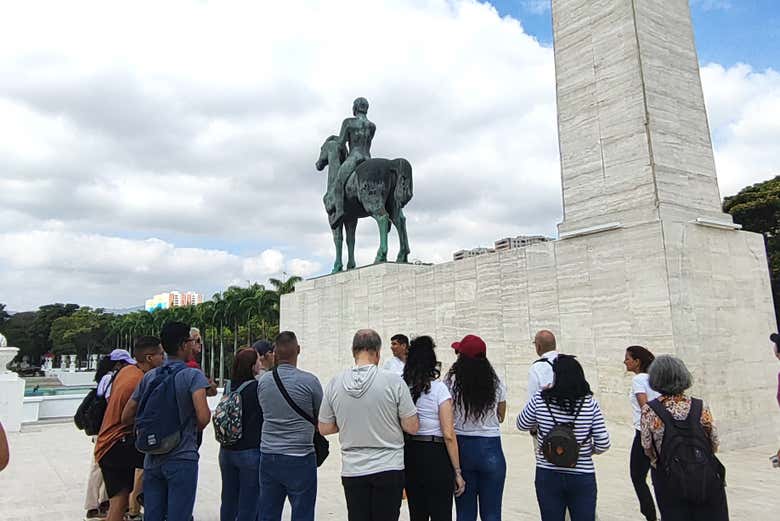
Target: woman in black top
x,y
239,463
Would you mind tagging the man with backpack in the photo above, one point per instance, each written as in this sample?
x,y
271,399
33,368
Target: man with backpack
x,y
115,449
168,409
290,401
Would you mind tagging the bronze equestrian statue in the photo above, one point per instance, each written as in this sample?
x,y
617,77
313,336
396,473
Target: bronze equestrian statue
x,y
359,186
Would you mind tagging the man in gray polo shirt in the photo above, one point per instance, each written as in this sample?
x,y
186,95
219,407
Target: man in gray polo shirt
x,y
370,408
288,464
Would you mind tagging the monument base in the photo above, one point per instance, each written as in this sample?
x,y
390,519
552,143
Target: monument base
x,y
11,401
699,292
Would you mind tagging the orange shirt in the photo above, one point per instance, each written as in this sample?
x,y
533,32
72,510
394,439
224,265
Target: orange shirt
x,y
112,429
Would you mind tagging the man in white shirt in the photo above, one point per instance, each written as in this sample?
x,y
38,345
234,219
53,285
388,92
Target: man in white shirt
x,y
540,374
399,345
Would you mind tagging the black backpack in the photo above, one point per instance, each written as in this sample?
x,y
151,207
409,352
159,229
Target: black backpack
x,y
692,471
89,415
560,446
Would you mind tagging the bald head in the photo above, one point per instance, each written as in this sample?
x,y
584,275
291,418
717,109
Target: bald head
x,y
286,348
544,342
366,340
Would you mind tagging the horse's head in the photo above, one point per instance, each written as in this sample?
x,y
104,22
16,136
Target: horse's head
x,y
329,148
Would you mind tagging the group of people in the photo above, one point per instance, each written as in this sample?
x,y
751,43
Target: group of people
x,y
404,429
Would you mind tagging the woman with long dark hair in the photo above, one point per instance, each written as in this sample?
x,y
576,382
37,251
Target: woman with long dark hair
x,y
431,458
239,463
566,485
479,402
637,361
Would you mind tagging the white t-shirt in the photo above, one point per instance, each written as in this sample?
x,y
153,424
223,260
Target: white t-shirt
x,y
428,409
104,386
640,384
487,427
394,365
540,374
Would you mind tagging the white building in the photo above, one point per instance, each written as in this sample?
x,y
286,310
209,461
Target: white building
x,y
521,241
173,299
465,254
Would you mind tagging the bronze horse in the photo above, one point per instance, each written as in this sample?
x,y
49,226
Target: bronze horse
x,y
378,188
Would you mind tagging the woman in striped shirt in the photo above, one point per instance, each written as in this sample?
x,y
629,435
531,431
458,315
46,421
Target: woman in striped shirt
x,y
571,401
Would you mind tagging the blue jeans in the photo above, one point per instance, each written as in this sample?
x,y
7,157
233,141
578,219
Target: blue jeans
x,y
483,467
556,491
240,484
169,490
288,476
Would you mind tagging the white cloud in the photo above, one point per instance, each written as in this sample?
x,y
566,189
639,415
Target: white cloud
x,y
744,111
47,266
536,6
198,124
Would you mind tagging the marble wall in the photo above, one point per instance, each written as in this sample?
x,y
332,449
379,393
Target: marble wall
x,y
699,292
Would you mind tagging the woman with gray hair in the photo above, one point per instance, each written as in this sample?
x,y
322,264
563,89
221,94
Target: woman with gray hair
x,y
680,438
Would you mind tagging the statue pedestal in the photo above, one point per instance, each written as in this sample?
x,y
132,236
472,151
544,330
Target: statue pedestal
x,y
11,392
699,292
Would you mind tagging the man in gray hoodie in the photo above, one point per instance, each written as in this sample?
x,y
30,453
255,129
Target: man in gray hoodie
x,y
370,408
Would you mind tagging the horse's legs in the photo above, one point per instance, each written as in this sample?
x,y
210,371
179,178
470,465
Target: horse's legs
x,y
383,220
338,240
350,227
399,221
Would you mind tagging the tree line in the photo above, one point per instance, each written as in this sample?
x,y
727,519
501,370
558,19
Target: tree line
x,y
757,209
235,317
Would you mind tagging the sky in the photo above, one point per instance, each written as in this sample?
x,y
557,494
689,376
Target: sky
x,y
152,146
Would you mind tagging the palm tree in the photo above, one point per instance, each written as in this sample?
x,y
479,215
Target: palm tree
x,y
252,305
233,296
283,287
218,317
203,315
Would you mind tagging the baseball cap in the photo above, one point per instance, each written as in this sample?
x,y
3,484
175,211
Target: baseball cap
x,y
121,355
263,347
471,346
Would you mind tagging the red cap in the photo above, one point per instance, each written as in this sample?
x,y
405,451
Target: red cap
x,y
471,346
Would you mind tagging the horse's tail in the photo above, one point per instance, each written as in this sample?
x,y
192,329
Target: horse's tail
x,y
403,184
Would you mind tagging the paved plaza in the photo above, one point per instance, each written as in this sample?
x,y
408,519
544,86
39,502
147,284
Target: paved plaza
x,y
46,478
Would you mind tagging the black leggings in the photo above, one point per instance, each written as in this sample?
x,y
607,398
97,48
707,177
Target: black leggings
x,y
640,466
430,481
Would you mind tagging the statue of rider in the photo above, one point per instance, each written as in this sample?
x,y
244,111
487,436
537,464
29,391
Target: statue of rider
x,y
357,132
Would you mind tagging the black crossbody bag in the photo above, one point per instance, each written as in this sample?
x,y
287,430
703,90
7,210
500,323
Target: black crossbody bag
x,y
321,444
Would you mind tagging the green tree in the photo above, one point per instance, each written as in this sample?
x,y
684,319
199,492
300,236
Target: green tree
x,y
40,329
82,332
757,209
282,287
4,316
17,329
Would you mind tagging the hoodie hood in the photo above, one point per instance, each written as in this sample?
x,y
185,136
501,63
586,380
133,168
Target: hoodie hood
x,y
358,380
